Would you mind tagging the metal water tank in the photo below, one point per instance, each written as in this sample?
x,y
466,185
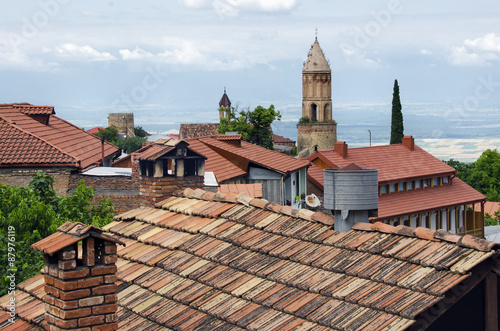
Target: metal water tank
x,y
348,189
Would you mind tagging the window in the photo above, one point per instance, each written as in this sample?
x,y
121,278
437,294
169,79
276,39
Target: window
x,y
402,187
446,179
427,182
411,185
435,181
418,183
383,189
392,187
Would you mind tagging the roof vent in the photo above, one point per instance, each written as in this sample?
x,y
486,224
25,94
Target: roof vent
x,y
351,193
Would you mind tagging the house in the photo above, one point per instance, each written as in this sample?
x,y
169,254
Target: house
x,y
211,261
33,138
415,188
234,161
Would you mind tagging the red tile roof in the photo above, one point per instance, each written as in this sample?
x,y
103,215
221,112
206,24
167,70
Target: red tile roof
x,y
68,234
394,162
72,142
228,161
20,147
28,109
95,130
282,140
209,261
421,200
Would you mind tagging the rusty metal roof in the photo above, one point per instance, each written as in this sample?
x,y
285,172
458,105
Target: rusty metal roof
x,y
203,260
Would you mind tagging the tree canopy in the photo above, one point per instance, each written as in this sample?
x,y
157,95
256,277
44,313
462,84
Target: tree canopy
x,y
254,126
128,145
397,127
483,174
35,212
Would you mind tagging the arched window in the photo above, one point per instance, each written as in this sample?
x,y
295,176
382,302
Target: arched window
x,y
313,111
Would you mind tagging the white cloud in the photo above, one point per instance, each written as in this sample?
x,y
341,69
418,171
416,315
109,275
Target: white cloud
x,y
425,52
76,52
477,52
186,55
231,8
358,59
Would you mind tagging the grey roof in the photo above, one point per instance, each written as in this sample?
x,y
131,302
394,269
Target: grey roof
x,y
316,61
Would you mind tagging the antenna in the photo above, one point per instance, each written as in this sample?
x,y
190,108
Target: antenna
x,y
316,33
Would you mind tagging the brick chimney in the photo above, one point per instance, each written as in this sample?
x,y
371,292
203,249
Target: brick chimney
x,y
340,148
408,142
81,292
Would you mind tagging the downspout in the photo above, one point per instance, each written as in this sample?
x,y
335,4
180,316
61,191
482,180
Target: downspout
x,y
282,191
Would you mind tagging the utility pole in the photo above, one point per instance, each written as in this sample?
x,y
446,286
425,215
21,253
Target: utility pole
x,y
369,131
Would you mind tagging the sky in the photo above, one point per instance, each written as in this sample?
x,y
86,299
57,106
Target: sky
x,y
169,61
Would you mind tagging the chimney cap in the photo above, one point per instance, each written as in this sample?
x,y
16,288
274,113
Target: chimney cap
x,y
68,234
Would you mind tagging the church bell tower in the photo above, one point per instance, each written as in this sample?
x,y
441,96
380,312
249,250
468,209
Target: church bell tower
x,y
318,131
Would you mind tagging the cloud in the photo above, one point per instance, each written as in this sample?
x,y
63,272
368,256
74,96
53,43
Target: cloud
x,y
185,55
359,59
478,52
76,52
425,52
232,8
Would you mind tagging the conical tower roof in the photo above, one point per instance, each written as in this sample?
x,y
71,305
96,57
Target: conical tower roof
x,y
316,61
224,101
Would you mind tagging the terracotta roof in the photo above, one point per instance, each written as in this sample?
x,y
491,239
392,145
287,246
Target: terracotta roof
x,y
252,190
154,152
228,161
394,162
95,130
28,109
206,261
223,137
64,136
282,140
68,234
439,197
20,147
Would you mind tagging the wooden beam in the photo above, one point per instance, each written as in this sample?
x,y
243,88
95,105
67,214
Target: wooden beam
x,y
490,302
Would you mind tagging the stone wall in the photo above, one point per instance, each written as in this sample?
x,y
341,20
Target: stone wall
x,y
155,189
23,176
121,203
124,123
324,135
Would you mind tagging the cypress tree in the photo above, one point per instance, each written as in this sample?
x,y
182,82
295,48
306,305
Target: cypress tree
x,y
397,127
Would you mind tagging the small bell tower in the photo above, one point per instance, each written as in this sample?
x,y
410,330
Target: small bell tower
x,y
224,106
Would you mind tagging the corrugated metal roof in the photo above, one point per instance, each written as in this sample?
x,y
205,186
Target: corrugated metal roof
x,y
201,260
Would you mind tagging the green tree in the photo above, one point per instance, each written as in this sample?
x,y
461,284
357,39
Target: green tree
x,y
110,134
397,127
140,132
35,212
486,174
131,144
254,126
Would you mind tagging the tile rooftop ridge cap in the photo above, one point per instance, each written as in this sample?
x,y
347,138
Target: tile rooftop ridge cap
x,y
76,161
244,199
466,241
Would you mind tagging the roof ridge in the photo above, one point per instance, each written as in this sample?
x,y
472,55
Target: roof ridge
x,y
466,241
248,201
13,124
